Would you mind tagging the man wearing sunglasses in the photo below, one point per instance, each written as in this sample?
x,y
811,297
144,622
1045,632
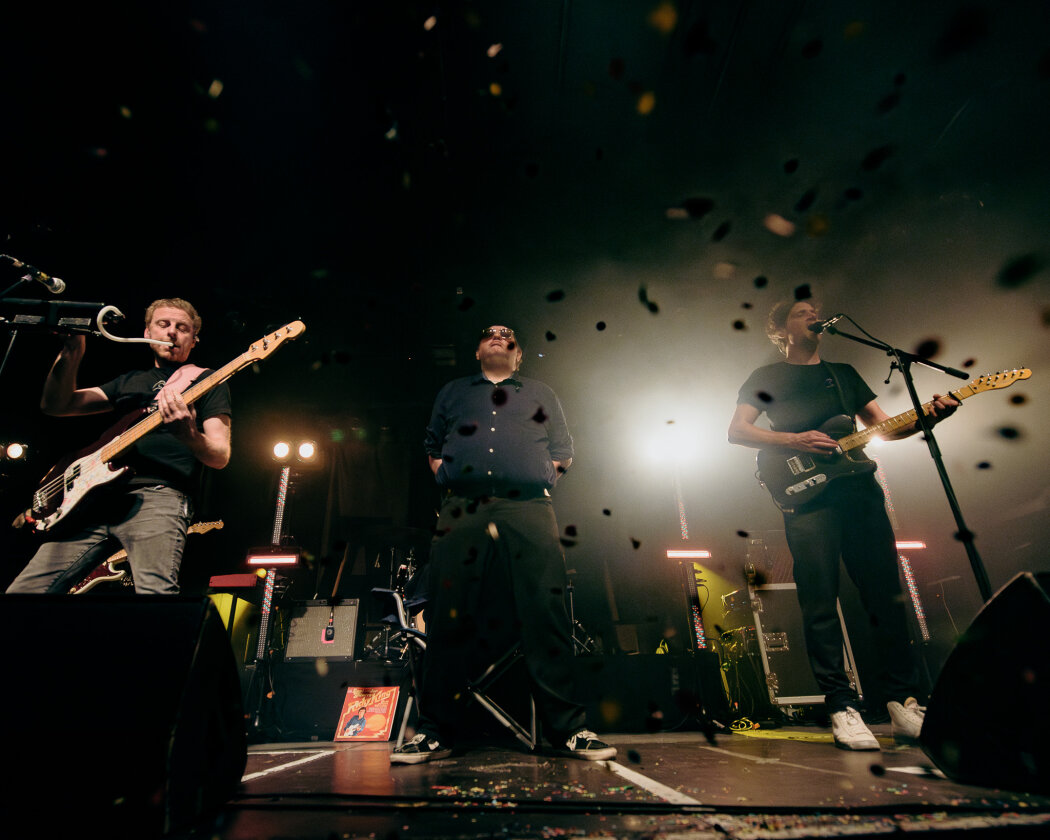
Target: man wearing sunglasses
x,y
497,443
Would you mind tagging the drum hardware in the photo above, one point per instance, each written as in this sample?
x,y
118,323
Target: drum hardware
x,y
581,639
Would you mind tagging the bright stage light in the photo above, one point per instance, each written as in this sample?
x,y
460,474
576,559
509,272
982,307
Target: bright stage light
x,y
271,557
15,451
304,452
902,545
688,554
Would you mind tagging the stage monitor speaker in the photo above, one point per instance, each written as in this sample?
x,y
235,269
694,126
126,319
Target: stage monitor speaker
x,y
987,719
319,630
122,714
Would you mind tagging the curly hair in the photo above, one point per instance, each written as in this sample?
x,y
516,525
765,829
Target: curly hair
x,y
777,320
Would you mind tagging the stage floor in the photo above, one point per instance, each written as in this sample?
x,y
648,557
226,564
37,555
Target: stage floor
x,y
785,782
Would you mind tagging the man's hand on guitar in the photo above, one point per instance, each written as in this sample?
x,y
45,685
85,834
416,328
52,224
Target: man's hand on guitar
x,y
813,441
942,407
179,417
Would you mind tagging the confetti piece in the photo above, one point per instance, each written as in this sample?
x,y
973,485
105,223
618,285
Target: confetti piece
x,y
775,223
643,296
817,225
664,18
876,157
724,271
813,48
806,201
1019,271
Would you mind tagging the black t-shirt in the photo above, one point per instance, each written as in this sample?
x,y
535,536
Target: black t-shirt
x,y
159,457
797,398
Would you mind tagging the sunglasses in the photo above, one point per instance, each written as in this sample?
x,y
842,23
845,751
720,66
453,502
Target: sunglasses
x,y
491,333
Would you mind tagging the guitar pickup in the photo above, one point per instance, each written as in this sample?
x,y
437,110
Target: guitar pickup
x,y
800,464
812,481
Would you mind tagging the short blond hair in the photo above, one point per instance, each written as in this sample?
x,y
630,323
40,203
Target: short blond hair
x,y
175,303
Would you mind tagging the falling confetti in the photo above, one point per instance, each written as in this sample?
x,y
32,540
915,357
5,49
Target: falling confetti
x,y
643,296
775,223
664,17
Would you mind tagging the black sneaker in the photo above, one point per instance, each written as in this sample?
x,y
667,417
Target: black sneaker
x,y
585,744
419,749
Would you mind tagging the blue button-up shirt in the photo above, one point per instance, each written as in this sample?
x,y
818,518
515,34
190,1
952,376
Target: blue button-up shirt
x,y
497,439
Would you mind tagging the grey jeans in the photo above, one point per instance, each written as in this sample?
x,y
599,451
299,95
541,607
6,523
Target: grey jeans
x,y
149,523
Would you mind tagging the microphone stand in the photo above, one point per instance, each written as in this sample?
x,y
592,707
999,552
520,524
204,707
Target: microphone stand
x,y
903,362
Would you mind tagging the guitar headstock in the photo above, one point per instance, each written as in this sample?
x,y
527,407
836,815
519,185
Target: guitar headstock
x,y
204,527
999,379
271,341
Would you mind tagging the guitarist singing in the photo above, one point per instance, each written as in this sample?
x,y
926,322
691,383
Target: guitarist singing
x,y
149,508
847,519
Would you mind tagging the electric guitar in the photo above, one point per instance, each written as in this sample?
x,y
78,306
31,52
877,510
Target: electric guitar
x,y
70,480
794,478
115,568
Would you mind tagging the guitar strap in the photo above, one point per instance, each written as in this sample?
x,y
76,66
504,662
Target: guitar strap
x,y
852,415
182,377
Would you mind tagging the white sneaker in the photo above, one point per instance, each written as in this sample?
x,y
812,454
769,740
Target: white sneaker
x,y
850,731
907,718
588,746
420,749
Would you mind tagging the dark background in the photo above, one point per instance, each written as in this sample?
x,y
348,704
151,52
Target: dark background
x,y
602,183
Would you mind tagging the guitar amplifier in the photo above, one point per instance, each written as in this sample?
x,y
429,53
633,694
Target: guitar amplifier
x,y
782,646
318,630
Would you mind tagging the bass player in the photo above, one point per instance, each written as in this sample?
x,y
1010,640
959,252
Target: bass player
x,y
149,508
847,519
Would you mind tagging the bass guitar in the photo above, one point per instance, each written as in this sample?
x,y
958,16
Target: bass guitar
x,y
70,480
794,478
115,568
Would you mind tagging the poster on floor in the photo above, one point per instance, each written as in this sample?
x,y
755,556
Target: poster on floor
x,y
368,714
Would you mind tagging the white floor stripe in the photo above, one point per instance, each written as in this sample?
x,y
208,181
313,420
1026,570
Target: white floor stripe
x,y
281,767
779,762
654,787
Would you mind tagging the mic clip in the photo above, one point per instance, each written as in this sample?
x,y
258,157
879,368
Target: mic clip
x,y
821,326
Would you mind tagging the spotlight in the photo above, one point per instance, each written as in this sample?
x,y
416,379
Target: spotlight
x,y
281,450
15,451
303,453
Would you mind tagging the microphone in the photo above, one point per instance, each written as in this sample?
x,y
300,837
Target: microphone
x,y
820,326
54,285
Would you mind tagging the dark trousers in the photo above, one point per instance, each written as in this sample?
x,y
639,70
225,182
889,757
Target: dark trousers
x,y
497,576
849,521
